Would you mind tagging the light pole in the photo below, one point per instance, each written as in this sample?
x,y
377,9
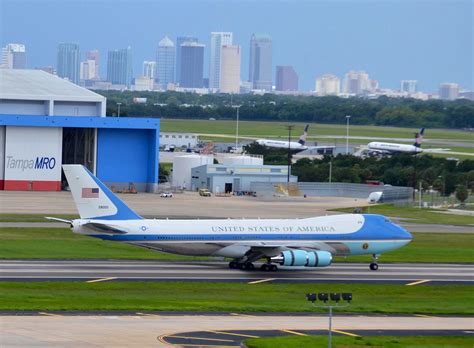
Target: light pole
x,y
118,111
347,133
237,129
325,297
289,127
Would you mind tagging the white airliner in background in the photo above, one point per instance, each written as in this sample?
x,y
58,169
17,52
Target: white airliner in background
x,y
395,148
309,242
294,146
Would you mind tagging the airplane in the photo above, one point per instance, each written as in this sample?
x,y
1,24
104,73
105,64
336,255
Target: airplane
x,y
309,242
294,146
387,148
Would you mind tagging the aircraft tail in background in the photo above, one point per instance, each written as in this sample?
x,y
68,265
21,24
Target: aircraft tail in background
x,y
419,137
302,139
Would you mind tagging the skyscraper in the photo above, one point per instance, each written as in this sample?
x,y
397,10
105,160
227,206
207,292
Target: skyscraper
x,y
192,64
68,61
409,86
328,85
165,56
230,69
218,39
119,67
13,56
286,78
88,70
260,66
448,91
357,82
149,69
179,41
95,56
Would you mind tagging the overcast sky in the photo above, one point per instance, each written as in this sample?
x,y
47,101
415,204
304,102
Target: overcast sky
x,y
428,41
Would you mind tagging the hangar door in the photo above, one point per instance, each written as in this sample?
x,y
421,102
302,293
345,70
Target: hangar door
x,y
79,148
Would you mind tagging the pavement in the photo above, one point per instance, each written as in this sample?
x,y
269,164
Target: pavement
x,y
154,330
215,271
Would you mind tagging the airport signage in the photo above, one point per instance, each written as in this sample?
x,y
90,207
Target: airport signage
x,y
38,163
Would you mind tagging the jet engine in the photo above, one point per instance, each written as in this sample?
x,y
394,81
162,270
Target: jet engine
x,y
303,258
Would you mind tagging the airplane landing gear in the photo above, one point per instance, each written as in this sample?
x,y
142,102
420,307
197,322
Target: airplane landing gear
x,y
268,267
248,266
374,265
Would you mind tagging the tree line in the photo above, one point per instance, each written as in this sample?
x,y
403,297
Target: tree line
x,y
383,111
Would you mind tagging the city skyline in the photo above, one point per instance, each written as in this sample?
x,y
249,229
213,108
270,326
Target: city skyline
x,y
427,41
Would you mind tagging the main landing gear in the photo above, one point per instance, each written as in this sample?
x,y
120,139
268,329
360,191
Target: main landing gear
x,y
374,265
249,266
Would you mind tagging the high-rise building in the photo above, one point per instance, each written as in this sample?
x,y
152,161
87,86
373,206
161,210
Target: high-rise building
x,y
192,65
409,86
119,67
286,78
149,69
357,82
88,70
179,41
165,56
230,69
95,56
328,85
13,56
260,66
218,39
68,61
448,91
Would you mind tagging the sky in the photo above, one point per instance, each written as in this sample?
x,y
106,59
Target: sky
x,y
428,41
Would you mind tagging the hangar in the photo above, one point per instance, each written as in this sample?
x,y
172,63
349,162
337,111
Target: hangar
x,y
46,121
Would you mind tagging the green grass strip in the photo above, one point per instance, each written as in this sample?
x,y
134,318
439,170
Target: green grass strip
x,y
374,341
231,297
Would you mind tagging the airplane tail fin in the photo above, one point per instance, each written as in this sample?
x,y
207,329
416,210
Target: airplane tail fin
x,y
419,137
302,139
93,199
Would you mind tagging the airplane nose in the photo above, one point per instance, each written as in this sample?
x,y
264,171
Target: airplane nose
x,y
404,233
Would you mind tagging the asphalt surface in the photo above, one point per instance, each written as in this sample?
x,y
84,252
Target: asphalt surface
x,y
35,270
154,330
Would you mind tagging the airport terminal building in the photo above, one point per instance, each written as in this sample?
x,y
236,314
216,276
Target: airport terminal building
x,y
46,121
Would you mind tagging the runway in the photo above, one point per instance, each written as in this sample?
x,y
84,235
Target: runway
x,y
85,270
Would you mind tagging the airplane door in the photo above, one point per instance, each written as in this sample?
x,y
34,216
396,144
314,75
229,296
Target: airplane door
x,y
228,187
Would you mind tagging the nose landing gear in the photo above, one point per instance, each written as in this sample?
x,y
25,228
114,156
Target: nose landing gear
x,y
374,265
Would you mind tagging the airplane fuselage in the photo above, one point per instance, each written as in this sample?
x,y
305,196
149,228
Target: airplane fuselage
x,y
393,147
347,234
279,144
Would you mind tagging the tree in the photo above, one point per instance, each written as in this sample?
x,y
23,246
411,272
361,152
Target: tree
x,y
461,193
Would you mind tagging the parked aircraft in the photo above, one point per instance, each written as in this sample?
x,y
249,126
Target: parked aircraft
x,y
389,148
294,146
309,242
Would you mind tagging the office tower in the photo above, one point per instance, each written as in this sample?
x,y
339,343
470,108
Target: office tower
x,y
260,66
409,86
149,69
88,70
95,56
13,56
68,61
357,82
119,67
165,56
192,65
218,39
286,78
230,69
328,85
179,41
448,91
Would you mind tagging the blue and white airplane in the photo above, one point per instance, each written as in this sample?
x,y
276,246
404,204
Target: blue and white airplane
x,y
309,242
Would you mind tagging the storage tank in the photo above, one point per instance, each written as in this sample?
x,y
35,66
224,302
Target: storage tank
x,y
182,166
243,160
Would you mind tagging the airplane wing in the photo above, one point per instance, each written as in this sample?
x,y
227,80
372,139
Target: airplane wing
x,y
435,150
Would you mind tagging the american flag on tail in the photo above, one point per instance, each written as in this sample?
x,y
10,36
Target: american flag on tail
x,y
90,192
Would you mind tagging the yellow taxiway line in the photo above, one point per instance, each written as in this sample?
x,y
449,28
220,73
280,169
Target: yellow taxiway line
x,y
100,280
418,282
261,281
345,333
233,334
294,332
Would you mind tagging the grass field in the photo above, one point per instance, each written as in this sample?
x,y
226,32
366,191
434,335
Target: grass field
x,y
349,342
422,216
33,217
259,129
231,297
44,243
